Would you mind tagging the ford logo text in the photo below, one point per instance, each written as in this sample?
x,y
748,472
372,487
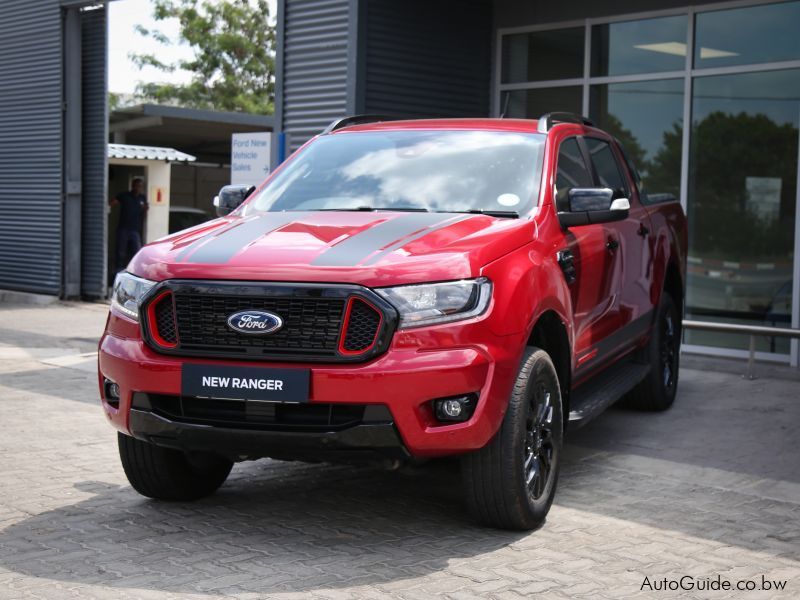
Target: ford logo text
x,y
256,322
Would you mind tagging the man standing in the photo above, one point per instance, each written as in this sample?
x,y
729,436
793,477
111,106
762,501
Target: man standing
x,y
133,206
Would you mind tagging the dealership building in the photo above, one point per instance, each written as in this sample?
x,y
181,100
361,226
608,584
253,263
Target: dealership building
x,y
643,70
705,97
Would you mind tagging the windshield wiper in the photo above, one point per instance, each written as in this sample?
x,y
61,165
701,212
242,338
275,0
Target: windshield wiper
x,y
503,214
376,208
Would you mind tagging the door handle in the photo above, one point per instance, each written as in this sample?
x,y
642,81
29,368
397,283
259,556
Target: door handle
x,y
643,231
612,244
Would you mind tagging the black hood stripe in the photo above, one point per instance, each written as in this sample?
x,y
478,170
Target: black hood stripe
x,y
353,250
224,245
407,240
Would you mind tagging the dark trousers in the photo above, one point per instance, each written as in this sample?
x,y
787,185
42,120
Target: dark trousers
x,y
129,242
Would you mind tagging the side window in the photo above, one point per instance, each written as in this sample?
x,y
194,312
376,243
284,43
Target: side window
x,y
571,172
637,179
606,166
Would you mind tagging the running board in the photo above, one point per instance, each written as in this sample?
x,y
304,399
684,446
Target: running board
x,y
603,390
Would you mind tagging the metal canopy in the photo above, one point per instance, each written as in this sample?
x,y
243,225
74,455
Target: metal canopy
x,y
129,151
204,133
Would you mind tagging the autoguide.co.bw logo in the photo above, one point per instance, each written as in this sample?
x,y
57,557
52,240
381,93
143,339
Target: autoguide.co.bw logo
x,y
689,583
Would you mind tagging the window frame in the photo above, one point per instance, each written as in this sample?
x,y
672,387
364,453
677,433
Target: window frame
x,y
610,142
578,137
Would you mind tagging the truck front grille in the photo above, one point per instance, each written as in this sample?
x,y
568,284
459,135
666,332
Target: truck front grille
x,y
338,323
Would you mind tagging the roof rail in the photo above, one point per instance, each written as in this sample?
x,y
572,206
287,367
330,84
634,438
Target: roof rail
x,y
356,120
547,121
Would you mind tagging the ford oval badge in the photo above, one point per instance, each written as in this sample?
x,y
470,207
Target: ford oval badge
x,y
255,322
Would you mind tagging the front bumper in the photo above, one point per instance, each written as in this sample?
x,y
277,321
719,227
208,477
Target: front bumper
x,y
420,365
367,440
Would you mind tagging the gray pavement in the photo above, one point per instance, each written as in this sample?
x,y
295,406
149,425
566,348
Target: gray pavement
x,y
709,489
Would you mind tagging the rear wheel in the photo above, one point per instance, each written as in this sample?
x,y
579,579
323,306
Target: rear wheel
x,y
511,482
167,474
657,391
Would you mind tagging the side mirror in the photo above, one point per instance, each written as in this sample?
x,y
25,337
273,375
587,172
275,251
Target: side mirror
x,y
593,205
230,197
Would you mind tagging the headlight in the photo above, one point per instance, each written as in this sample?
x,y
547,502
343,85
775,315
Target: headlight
x,y
128,292
432,303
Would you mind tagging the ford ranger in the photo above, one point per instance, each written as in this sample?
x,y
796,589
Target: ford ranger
x,y
402,290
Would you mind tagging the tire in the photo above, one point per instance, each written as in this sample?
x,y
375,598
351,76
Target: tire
x,y
495,477
657,391
166,474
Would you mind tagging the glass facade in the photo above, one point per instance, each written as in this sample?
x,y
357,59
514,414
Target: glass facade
x,y
707,103
642,46
742,200
522,55
647,117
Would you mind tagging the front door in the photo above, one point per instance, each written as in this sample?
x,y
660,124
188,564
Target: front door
x,y
629,240
598,275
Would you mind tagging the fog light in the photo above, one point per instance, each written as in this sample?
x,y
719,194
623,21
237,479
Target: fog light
x,y
111,392
451,408
456,409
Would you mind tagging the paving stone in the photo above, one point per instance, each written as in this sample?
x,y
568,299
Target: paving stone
x,y
709,488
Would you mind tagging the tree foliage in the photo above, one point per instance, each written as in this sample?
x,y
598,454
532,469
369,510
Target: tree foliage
x,y
726,150
233,63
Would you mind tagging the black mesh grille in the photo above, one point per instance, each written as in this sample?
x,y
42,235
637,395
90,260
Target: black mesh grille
x,y
362,327
311,325
257,415
165,320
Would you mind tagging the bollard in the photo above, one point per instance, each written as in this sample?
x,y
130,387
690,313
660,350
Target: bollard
x,y
751,359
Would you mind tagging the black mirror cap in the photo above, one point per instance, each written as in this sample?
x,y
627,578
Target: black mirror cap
x,y
593,205
230,197
590,199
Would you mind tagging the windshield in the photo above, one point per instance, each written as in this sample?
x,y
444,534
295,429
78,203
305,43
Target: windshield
x,y
437,171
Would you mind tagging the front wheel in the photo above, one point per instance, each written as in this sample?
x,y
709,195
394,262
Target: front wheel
x,y
511,482
167,474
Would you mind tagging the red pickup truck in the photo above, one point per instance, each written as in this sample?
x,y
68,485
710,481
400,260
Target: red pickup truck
x,y
402,290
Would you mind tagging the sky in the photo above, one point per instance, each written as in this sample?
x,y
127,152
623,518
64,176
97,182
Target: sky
x,y
122,40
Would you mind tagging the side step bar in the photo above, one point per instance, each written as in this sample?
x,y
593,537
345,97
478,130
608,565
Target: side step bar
x,y
603,390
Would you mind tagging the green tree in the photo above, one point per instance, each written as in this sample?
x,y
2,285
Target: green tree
x,y
233,63
664,170
613,125
726,150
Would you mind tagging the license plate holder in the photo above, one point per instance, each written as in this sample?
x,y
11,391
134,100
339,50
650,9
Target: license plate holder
x,y
265,384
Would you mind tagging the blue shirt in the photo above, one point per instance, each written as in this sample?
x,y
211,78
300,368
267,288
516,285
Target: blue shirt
x,y
131,211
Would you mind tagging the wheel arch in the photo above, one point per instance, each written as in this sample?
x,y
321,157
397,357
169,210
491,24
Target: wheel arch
x,y
673,285
551,335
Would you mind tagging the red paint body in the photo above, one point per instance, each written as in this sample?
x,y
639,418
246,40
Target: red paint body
x,y
480,355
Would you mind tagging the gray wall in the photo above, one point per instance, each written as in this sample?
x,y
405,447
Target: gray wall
x,y
316,38
424,59
196,186
409,59
30,145
94,171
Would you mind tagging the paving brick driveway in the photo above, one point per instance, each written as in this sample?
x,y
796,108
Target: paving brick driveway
x,y
711,488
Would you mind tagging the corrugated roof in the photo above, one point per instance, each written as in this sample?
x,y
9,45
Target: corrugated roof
x,y
147,153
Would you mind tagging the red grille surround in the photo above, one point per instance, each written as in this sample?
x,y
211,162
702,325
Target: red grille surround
x,y
161,320
360,328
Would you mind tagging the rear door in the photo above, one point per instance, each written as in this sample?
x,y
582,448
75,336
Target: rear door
x,y
597,280
627,240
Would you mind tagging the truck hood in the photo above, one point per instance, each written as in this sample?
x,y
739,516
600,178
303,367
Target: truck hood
x,y
367,248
